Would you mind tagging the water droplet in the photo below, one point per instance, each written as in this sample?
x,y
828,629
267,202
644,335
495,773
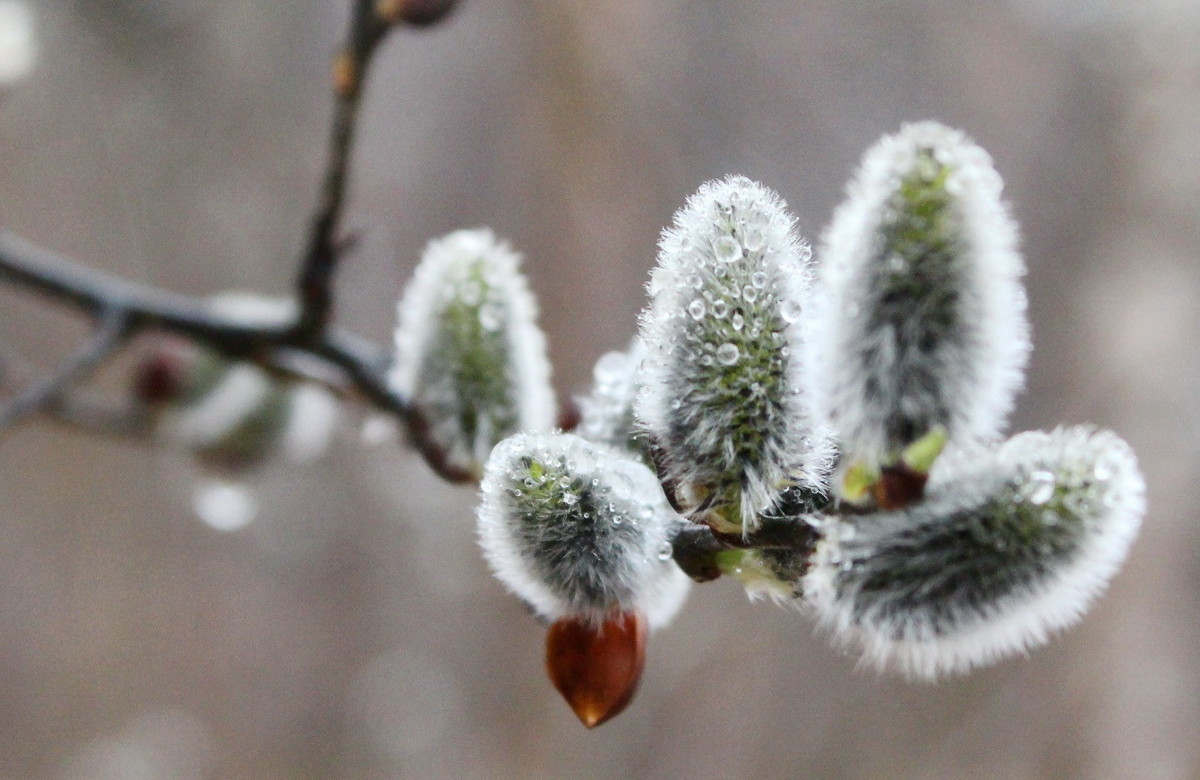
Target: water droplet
x,y
696,308
1040,488
754,238
564,481
490,316
616,520
665,551
720,309
737,321
570,499
224,506
530,482
728,354
727,249
790,310
609,368
749,293
896,263
759,279
707,360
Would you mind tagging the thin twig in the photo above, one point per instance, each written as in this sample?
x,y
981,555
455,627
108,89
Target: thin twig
x,y
363,364
315,283
695,546
110,331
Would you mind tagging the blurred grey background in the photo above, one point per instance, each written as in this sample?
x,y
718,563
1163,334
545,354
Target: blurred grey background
x,y
351,630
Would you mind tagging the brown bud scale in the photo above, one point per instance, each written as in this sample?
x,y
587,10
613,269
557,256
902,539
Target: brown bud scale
x,y
597,668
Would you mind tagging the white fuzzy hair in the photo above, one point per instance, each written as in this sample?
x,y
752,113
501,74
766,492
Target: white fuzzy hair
x,y
471,267
723,382
1092,491
606,413
584,535
868,377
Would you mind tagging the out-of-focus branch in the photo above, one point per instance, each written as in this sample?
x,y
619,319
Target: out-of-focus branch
x,y
273,343
110,331
296,344
77,408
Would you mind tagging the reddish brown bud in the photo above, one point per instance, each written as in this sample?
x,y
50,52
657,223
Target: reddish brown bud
x,y
568,415
345,73
597,670
899,486
159,378
418,13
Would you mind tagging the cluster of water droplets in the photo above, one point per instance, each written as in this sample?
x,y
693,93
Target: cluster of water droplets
x,y
723,380
575,528
1074,475
606,413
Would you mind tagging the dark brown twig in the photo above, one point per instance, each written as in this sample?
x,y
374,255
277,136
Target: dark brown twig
x,y
141,308
695,546
315,284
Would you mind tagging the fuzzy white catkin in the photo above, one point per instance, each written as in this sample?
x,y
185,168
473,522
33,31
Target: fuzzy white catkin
x,y
915,327
1008,548
469,354
235,413
606,413
722,381
578,530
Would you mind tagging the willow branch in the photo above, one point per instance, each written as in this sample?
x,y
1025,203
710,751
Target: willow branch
x,y
695,546
315,283
361,364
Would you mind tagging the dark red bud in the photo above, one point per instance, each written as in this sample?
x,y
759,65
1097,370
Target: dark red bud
x,y
159,378
597,669
569,415
899,486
